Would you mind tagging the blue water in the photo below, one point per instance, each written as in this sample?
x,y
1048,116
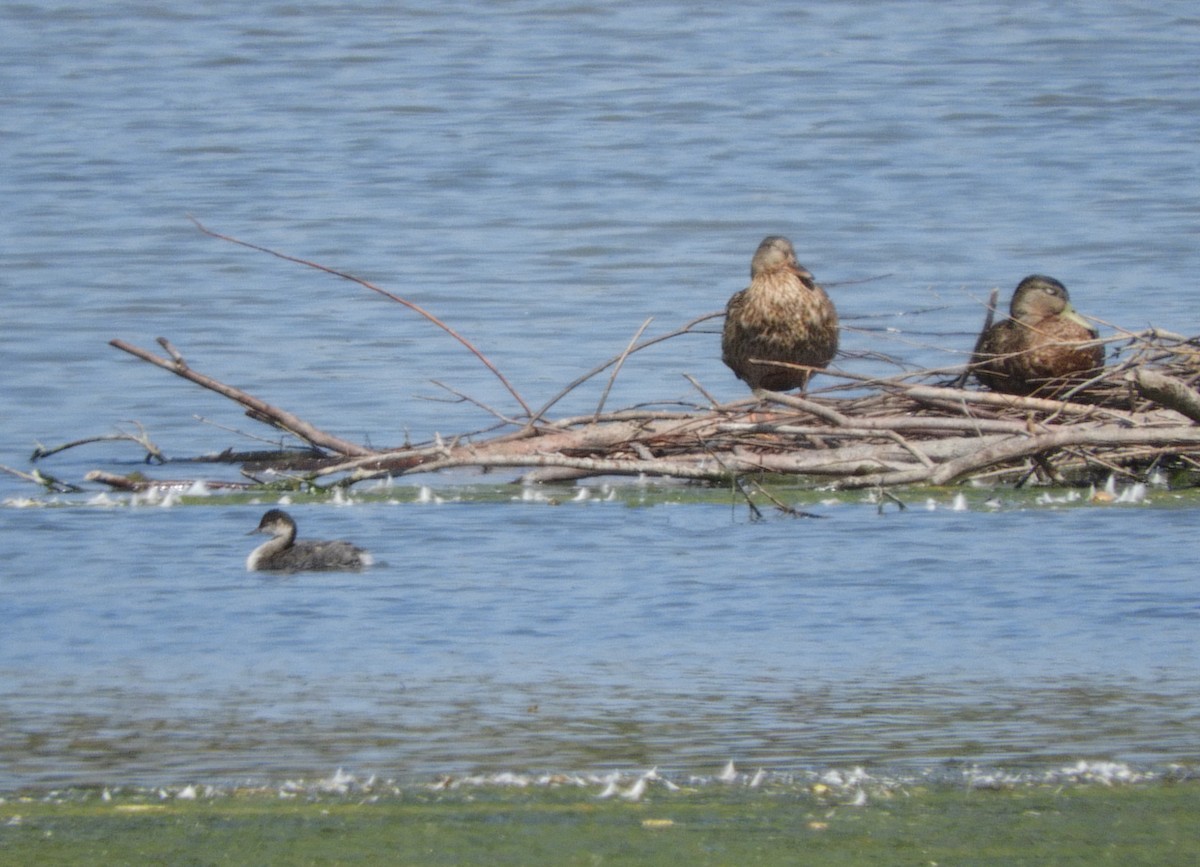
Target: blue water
x,y
545,180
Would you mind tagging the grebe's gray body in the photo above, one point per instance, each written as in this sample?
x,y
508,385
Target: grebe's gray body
x,y
282,553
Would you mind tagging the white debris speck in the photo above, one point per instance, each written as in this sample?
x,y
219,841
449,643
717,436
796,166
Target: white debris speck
x,y
635,792
338,784
1135,493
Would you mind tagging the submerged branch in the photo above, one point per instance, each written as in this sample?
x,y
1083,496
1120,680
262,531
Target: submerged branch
x,y
50,483
137,484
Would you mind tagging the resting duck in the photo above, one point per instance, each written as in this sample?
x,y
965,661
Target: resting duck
x,y
783,315
1037,349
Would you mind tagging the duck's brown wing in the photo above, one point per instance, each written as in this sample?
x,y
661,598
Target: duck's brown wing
x,y
731,334
1058,359
780,317
993,350
1018,359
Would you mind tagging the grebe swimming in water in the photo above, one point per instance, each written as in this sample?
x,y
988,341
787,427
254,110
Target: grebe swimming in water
x,y
282,553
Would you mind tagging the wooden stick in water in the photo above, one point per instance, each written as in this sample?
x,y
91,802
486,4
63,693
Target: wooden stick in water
x,y
279,418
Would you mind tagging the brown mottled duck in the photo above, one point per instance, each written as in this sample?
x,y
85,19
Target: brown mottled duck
x,y
783,315
1037,349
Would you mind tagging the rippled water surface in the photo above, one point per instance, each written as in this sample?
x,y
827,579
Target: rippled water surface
x,y
595,633
546,178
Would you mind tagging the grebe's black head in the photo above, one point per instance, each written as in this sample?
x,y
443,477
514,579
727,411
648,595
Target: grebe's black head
x,y
275,522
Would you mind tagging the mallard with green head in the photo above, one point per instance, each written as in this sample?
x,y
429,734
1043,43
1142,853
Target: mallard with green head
x,y
1038,349
783,315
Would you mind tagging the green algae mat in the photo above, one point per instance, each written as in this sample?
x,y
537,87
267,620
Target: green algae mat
x,y
1156,823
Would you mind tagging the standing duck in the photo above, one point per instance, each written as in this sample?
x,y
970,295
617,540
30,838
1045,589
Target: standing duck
x,y
783,315
282,553
1037,349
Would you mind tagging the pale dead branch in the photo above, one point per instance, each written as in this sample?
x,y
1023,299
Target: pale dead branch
x,y
260,410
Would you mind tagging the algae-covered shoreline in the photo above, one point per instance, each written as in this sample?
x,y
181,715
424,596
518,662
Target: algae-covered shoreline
x,y
1147,821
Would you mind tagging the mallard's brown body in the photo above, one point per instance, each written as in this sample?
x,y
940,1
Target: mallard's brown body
x,y
783,315
1038,349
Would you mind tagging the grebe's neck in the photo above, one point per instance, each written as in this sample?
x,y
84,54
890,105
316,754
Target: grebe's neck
x,y
283,536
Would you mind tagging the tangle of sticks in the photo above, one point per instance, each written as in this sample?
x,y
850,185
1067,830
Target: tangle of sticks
x,y
920,428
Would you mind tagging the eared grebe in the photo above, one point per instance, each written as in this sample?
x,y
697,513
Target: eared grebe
x,y
1038,344
783,315
282,553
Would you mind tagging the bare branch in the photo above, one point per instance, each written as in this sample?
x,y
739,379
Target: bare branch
x,y
600,368
48,482
1169,392
1022,447
262,410
618,365
153,453
416,308
134,484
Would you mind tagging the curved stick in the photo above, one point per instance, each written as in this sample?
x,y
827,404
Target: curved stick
x,y
600,368
258,408
416,308
1167,391
617,369
1017,447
